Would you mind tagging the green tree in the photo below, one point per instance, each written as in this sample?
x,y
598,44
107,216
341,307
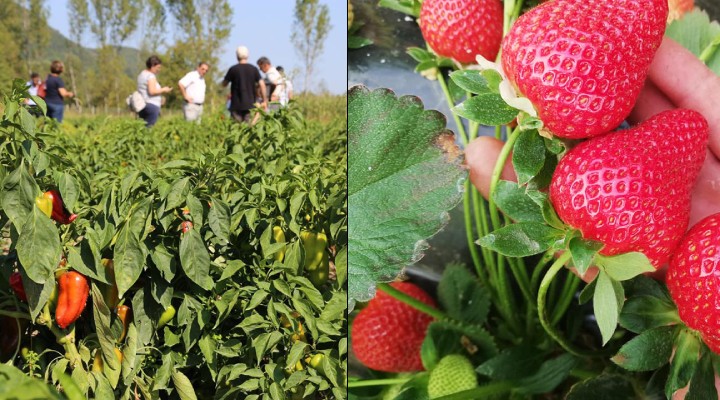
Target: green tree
x,y
202,28
35,33
312,24
12,64
111,22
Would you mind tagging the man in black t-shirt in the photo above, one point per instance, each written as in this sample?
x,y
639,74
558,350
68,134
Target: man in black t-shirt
x,y
243,77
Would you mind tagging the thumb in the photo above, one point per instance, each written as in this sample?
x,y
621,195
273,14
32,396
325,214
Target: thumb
x,y
481,156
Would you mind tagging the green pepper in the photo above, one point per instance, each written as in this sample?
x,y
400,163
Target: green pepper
x,y
279,237
317,260
166,316
110,293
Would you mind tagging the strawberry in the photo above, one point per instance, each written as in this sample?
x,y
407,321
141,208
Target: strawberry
x,y
630,190
582,63
387,334
462,29
693,278
452,374
678,8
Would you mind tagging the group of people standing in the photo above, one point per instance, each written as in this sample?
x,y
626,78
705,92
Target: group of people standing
x,y
248,90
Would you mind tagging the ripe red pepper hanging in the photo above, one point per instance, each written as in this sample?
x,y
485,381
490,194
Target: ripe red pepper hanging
x,y
17,286
59,212
72,297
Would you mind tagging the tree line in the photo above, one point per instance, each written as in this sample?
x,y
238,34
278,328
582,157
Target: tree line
x,y
102,78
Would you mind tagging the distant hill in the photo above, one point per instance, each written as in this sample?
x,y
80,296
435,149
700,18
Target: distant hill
x,y
60,46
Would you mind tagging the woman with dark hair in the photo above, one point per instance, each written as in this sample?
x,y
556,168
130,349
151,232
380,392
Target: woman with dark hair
x,y
55,92
149,87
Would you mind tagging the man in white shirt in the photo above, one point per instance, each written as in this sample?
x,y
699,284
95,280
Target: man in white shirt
x,y
272,76
192,88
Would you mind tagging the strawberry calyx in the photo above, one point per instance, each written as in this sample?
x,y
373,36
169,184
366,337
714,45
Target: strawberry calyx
x,y
662,338
507,89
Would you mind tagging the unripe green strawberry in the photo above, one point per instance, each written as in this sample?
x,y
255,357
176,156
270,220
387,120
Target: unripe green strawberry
x,y
454,373
693,279
630,190
462,29
583,63
387,334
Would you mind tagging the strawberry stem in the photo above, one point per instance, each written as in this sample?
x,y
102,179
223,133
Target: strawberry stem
x,y
377,382
469,192
480,392
451,103
542,312
412,302
572,282
709,50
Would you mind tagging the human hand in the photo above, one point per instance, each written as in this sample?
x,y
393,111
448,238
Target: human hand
x,y
676,79
167,89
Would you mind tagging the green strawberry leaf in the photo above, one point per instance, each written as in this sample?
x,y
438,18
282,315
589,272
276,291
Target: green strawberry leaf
x,y
641,313
419,54
548,212
554,145
702,384
583,251
697,33
415,388
548,377
642,285
462,297
527,122
405,173
471,81
513,363
648,351
607,303
409,7
493,78
528,156
605,386
487,109
684,362
515,203
444,338
588,292
624,266
522,239
357,42
542,179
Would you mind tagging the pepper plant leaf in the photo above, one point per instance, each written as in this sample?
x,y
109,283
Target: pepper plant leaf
x,y
405,174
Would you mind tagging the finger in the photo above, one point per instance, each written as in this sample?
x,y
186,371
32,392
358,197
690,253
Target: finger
x,y
688,83
650,102
481,155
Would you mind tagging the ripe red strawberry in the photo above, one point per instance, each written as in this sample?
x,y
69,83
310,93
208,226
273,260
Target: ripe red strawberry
x,y
582,63
462,29
693,278
387,334
630,190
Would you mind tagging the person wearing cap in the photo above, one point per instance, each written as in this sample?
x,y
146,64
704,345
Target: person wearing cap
x,y
242,77
192,89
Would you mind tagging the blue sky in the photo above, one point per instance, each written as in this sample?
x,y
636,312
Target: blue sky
x,y
264,27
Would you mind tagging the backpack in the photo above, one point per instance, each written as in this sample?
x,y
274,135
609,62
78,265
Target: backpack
x,y
42,89
135,102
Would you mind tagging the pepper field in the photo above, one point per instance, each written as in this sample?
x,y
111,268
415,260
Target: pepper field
x,y
194,232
